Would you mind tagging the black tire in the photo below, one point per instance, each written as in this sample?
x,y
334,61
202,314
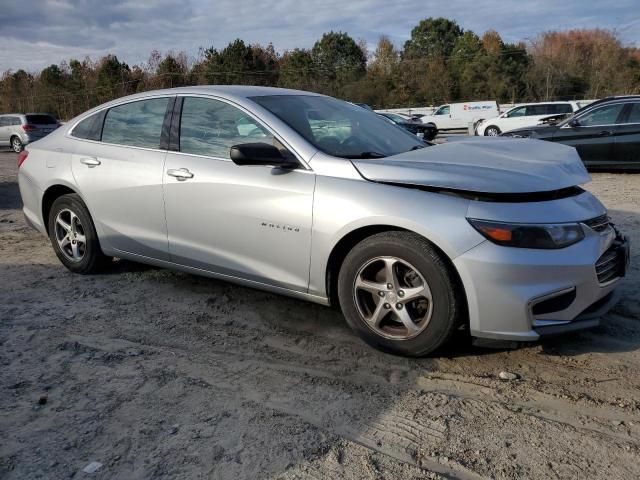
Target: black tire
x,y
431,134
448,302
492,128
16,144
93,260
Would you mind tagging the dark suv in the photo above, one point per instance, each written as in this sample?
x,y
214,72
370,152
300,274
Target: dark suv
x,y
605,133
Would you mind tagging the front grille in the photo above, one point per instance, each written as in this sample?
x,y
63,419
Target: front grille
x,y
608,265
599,224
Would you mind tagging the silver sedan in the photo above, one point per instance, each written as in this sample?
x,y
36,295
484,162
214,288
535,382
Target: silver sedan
x,y
313,197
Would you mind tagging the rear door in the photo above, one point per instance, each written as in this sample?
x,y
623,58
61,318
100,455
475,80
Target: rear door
x,y
627,138
250,222
120,175
594,135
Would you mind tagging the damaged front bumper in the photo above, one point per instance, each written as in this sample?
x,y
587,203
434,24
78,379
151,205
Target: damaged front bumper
x,y
524,294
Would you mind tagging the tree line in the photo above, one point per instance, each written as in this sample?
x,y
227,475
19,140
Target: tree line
x,y
441,62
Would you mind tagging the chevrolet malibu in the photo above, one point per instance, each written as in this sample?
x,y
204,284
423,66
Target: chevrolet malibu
x,y
309,196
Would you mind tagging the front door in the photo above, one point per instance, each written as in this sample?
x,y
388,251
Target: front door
x,y
120,178
251,222
593,135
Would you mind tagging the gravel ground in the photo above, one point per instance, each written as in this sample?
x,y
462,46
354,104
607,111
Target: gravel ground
x,y
157,374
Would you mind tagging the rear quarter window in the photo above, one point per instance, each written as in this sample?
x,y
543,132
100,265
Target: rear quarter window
x,y
90,128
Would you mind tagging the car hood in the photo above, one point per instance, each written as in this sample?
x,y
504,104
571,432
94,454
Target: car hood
x,y
483,165
534,131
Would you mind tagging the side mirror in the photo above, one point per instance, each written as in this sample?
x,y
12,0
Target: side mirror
x,y
573,123
260,154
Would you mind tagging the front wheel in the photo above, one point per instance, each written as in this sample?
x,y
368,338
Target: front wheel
x,y
399,294
492,131
73,235
16,144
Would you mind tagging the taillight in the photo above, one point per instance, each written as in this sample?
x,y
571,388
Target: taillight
x,y
22,156
29,128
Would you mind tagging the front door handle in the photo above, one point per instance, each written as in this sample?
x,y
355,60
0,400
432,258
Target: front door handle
x,y
90,161
604,133
181,173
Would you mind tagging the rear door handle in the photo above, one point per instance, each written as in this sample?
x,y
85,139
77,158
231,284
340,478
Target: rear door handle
x,y
604,133
181,174
90,161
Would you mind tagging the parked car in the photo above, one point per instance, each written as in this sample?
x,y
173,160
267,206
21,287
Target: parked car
x,y
363,105
18,130
428,131
460,115
606,133
523,116
323,201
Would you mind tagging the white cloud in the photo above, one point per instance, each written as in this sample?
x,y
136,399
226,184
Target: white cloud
x,y
58,30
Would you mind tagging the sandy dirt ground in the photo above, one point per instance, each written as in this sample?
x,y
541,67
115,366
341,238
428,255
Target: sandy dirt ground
x,y
157,374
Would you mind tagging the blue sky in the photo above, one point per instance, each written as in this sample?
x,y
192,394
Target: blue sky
x,y
36,33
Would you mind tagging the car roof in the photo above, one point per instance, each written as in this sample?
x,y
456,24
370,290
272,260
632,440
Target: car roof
x,y
226,91
229,92
613,99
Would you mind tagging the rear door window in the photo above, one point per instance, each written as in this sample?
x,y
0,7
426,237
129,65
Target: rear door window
x,y
136,124
4,121
562,108
533,110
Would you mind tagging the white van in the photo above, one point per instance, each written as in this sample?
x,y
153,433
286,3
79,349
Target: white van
x,y
525,115
459,115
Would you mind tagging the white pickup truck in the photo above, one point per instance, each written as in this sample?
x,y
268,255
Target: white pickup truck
x,y
459,115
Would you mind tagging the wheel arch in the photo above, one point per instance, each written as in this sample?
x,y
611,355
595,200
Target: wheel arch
x,y
352,238
492,126
50,195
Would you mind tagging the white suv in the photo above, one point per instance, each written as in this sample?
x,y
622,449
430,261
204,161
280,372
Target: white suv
x,y
523,116
18,129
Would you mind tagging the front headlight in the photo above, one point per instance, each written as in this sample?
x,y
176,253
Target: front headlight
x,y
525,235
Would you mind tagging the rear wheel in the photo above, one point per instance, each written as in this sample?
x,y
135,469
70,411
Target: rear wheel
x,y
492,131
73,235
16,144
399,294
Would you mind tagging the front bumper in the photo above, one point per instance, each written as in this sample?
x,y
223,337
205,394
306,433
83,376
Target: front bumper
x,y
522,294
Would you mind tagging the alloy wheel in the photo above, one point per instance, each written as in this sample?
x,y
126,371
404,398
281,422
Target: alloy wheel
x,y
70,235
393,298
492,132
16,145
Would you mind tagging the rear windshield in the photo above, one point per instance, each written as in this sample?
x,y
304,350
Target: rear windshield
x,y
41,119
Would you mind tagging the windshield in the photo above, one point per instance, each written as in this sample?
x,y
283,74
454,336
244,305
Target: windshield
x,y
338,128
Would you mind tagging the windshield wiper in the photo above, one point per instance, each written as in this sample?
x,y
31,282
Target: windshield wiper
x,y
417,147
364,155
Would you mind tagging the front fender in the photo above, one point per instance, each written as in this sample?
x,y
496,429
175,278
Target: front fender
x,y
342,206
